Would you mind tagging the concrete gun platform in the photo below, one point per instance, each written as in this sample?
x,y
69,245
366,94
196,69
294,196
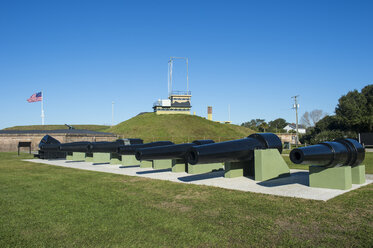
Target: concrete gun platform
x,y
294,186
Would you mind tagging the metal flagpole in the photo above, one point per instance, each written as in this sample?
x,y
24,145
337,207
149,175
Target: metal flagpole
x,y
42,108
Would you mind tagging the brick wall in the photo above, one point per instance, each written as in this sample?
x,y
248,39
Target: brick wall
x,y
9,142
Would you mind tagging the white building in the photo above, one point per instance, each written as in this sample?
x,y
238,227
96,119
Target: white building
x,y
292,126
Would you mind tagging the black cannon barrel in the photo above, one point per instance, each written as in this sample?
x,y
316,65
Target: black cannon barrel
x,y
234,150
168,152
105,146
131,149
50,147
330,154
47,139
82,146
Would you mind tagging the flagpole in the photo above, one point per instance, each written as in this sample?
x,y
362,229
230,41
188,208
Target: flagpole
x,y
42,108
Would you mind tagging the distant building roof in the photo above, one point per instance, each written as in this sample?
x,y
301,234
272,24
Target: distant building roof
x,y
293,126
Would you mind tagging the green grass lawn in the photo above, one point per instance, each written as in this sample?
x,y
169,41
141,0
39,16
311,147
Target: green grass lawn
x,y
50,206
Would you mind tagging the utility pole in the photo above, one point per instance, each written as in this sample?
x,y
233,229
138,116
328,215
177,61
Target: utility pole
x,y
296,106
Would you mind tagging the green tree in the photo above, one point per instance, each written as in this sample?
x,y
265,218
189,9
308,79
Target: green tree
x,y
277,125
253,124
355,110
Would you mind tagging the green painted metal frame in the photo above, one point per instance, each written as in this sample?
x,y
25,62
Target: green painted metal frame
x,y
100,158
162,164
115,158
78,156
358,174
204,168
330,178
129,160
146,164
89,157
69,156
267,164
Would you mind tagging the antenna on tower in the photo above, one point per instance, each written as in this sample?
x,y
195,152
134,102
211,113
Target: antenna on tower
x,y
170,68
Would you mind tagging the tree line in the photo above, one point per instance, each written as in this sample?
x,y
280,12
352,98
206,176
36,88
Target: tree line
x,y
353,115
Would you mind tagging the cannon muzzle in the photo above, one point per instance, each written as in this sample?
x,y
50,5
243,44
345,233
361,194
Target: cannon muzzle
x,y
330,154
131,149
234,150
168,152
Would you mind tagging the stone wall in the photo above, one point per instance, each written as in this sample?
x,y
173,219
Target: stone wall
x,y
9,142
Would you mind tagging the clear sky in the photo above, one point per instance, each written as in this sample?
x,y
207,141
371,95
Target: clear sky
x,y
253,55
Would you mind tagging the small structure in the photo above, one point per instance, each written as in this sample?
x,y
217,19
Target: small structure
x,y
209,113
178,102
292,127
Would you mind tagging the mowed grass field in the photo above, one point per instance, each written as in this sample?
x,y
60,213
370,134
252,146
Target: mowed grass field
x,y
50,206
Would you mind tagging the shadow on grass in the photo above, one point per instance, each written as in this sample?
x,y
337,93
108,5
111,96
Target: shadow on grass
x,y
153,171
300,177
204,176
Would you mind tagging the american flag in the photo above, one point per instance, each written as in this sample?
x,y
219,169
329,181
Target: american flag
x,y
37,97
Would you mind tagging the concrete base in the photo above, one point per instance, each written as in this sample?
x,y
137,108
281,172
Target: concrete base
x,y
115,158
99,158
358,174
78,156
179,165
204,168
146,164
294,186
162,164
267,164
129,160
330,178
89,157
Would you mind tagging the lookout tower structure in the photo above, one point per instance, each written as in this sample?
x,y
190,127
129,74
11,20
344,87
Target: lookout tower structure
x,y
178,102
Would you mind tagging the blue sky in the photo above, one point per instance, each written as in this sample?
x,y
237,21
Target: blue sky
x,y
253,55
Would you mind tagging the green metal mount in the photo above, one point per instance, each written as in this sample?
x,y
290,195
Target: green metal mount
x,y
162,164
89,157
69,156
204,168
179,165
99,158
267,164
146,164
330,178
358,174
115,158
78,156
128,160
